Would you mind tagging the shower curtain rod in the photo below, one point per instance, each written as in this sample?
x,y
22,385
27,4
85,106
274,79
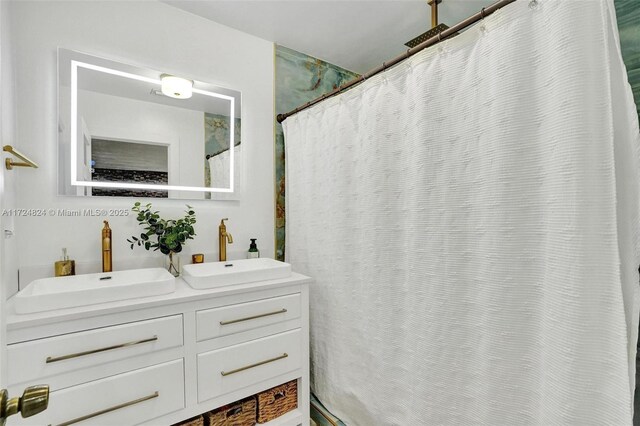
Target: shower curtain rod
x,y
220,152
486,11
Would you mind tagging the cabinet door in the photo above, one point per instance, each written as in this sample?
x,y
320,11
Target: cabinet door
x,y
43,358
124,399
235,367
216,322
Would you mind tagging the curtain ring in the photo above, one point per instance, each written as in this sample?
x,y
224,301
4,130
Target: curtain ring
x,y
439,36
384,66
482,13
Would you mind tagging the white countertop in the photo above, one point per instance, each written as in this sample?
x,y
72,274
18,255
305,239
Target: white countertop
x,y
183,293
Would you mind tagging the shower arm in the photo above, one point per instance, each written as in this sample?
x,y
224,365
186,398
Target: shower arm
x,y
434,12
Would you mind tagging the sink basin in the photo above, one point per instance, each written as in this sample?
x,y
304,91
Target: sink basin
x,y
218,274
79,290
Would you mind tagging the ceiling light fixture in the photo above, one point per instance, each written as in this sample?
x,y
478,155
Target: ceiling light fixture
x,y
176,87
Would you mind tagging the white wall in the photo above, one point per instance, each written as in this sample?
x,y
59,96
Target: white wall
x,y
157,36
9,250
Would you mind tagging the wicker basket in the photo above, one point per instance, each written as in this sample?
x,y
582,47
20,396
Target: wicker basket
x,y
240,413
277,401
195,421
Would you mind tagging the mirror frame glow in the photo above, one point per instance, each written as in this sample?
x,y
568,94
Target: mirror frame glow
x,y
76,64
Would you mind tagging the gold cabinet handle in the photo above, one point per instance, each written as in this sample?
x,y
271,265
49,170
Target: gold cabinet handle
x,y
51,359
108,410
281,311
257,364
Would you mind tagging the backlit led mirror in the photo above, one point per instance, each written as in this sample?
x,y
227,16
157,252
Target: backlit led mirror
x,y
129,131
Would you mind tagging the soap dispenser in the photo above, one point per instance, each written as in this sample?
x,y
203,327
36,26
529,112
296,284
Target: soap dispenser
x,y
106,248
253,252
65,267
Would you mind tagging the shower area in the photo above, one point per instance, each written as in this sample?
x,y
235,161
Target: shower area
x,y
470,215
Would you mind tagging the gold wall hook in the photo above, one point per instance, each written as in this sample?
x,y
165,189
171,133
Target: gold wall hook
x,y
10,164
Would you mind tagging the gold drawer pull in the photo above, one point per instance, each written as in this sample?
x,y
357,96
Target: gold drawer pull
x,y
281,311
108,410
51,359
257,364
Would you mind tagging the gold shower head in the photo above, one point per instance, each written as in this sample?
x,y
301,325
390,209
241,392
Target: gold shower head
x,y
426,36
435,27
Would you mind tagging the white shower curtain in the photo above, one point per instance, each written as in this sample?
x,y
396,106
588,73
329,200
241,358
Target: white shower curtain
x,y
471,221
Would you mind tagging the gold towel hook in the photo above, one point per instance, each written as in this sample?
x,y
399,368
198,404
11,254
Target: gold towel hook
x,y
10,164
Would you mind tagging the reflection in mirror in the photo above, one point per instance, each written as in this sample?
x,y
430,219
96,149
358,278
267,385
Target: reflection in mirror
x,y
217,136
121,135
118,161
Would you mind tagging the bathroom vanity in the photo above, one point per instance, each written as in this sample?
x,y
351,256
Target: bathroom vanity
x,y
162,359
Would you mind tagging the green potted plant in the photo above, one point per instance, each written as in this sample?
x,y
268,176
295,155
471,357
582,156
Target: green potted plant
x,y
167,235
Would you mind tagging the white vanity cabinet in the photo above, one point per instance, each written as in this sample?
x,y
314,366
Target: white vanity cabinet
x,y
162,359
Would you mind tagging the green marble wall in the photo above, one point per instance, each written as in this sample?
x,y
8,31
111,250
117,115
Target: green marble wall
x,y
216,133
216,140
628,12
298,79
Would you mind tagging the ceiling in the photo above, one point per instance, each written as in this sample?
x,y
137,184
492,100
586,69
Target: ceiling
x,y
354,34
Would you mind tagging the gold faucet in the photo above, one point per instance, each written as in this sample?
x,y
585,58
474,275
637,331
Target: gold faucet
x,y
223,238
106,248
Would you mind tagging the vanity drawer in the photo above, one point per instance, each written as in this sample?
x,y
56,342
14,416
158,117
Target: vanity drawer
x,y
38,359
235,367
212,323
125,399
